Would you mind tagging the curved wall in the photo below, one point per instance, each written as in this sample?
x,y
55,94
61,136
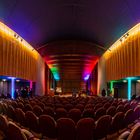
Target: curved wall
x,y
17,57
123,58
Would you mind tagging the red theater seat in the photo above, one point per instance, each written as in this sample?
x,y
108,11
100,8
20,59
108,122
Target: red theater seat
x,y
102,127
47,126
85,129
65,129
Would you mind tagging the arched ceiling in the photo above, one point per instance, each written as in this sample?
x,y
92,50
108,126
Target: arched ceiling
x,y
47,22
69,60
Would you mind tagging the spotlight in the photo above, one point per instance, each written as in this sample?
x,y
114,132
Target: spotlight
x,y
15,35
4,80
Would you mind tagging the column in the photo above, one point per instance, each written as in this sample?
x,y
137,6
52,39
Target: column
x,y
12,87
129,89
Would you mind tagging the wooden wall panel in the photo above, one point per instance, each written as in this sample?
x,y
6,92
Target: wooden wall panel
x,y
124,60
16,60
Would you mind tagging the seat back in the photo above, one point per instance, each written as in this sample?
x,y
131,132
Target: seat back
x,y
28,107
65,129
135,133
32,121
60,113
37,110
117,122
3,124
75,114
88,113
48,111
137,112
14,132
111,111
85,129
11,112
106,105
120,108
129,117
102,126
99,112
47,126
20,116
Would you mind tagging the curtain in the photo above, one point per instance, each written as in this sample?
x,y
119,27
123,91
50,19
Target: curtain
x,y
124,60
16,60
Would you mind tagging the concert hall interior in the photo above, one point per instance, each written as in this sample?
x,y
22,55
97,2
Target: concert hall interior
x,y
69,70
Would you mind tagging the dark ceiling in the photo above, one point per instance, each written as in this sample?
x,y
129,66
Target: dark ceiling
x,y
43,22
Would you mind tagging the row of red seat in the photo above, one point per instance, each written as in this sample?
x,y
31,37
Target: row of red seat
x,y
67,129
10,131
24,112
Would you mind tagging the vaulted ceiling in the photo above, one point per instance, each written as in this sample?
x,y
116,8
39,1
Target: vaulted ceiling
x,y
70,33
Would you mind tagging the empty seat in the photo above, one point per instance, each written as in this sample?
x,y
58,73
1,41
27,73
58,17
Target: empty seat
x,y
3,124
11,112
111,111
120,108
42,105
133,105
60,112
129,117
117,122
28,107
88,113
58,105
32,121
102,127
137,113
47,126
14,132
133,135
65,129
90,106
85,129
21,105
80,106
114,104
20,116
75,114
68,107
99,112
126,107
37,110
106,105
48,111
97,106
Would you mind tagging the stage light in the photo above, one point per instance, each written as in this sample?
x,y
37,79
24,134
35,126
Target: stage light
x,y
4,80
86,77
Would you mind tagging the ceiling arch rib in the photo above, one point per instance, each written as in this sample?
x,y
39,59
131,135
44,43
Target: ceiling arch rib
x,y
71,59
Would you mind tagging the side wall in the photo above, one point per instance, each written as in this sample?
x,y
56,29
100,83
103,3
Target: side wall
x,y
101,75
40,81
